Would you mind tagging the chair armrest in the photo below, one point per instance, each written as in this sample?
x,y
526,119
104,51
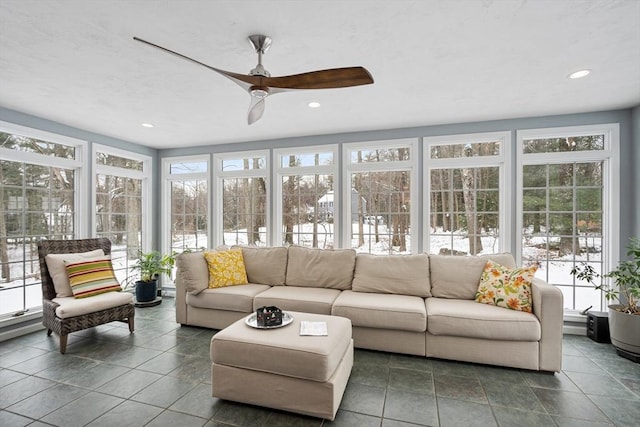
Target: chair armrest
x,y
50,306
548,308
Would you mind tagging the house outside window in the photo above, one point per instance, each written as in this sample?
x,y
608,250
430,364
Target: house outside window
x,y
307,199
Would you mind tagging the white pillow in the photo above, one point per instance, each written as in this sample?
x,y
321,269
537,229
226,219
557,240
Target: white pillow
x,y
58,271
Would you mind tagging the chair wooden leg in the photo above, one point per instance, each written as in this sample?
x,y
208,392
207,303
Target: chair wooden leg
x,y
63,344
131,324
49,331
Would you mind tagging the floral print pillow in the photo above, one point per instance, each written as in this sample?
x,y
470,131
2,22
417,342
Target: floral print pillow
x,y
506,287
226,268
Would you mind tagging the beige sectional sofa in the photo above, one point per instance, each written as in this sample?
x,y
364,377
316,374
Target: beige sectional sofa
x,y
413,304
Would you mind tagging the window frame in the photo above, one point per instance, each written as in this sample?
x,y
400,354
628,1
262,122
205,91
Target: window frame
x,y
280,172
609,156
411,165
502,161
145,176
166,179
217,192
77,164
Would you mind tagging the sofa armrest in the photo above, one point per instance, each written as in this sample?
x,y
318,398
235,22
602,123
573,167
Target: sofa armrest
x,y
181,300
192,277
548,308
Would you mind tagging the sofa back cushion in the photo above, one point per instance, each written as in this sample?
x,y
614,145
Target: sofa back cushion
x,y
265,266
392,274
320,268
459,276
192,272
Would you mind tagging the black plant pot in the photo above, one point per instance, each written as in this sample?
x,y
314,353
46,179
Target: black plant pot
x,y
146,291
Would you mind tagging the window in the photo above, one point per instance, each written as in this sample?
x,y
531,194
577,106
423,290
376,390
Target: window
x,y
186,184
381,180
122,200
567,198
307,202
39,188
464,193
241,202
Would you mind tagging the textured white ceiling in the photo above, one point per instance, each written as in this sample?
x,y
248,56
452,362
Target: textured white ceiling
x,y
433,61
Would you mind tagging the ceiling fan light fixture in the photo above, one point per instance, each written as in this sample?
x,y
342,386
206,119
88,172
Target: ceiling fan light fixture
x,y
579,74
259,91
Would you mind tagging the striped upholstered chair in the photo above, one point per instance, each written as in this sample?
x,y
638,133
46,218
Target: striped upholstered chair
x,y
64,315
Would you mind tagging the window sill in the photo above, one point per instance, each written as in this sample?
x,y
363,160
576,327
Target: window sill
x,y
574,323
20,325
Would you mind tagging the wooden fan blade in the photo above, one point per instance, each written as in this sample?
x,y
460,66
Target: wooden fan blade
x,y
256,109
243,80
322,79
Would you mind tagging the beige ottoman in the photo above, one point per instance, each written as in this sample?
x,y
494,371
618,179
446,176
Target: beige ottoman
x,y
280,369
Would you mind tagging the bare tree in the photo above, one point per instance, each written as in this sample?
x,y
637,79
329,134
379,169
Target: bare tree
x,y
289,205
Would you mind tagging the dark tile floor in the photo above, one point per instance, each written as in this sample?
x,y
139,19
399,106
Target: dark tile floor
x,y
160,376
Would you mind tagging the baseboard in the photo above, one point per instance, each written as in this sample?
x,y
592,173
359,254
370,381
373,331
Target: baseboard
x,y
574,330
19,330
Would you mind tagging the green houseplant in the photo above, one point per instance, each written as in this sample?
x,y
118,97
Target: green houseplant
x,y
624,317
151,265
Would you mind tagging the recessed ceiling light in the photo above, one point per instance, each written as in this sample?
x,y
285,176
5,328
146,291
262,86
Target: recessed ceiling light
x,y
147,125
579,74
314,104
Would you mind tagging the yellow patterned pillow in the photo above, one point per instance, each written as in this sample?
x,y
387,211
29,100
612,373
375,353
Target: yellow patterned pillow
x,y
226,268
505,287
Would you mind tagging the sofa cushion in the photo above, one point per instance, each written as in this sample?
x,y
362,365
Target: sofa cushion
x,y
320,268
466,318
92,276
58,272
232,298
295,298
267,266
506,287
383,311
192,272
226,268
72,307
392,274
459,276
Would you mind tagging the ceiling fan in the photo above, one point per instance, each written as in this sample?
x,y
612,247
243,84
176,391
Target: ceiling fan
x,y
260,84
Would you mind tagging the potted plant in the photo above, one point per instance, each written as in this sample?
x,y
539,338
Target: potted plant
x,y
151,265
624,317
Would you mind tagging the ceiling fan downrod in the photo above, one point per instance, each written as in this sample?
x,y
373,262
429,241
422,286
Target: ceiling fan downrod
x,y
261,45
